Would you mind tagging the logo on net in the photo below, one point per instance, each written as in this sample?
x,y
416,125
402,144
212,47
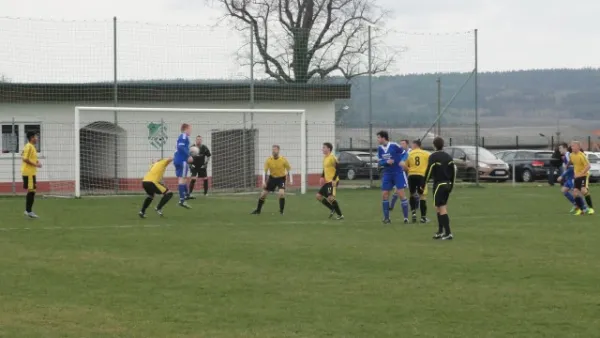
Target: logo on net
x,y
157,134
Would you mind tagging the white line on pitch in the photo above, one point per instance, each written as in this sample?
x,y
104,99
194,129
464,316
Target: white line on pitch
x,y
87,227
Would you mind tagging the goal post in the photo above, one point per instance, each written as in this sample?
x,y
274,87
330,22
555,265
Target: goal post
x,y
122,141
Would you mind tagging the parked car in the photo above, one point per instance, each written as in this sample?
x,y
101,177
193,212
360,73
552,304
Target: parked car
x,y
530,165
357,164
490,167
594,159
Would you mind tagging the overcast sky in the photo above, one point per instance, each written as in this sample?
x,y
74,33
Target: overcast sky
x,y
513,34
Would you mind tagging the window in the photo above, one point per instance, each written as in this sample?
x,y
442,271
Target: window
x,y
10,139
459,154
36,129
508,156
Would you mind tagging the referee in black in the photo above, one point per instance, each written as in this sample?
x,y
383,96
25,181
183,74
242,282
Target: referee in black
x,y
441,168
198,168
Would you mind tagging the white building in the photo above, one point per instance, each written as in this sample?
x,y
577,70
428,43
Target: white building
x,y
114,156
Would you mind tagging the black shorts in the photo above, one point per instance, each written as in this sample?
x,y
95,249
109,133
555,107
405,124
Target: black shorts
x,y
415,182
441,194
275,183
152,188
198,172
29,183
580,183
328,189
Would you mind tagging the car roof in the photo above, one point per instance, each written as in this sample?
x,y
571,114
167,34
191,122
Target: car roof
x,y
353,152
525,150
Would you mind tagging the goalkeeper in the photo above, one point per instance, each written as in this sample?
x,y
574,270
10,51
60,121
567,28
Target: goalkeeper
x,y
152,184
278,169
198,168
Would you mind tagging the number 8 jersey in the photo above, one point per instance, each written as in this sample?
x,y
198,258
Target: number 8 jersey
x,y
417,162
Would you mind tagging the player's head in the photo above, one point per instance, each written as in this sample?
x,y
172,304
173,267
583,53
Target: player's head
x,y
32,137
416,144
576,146
327,148
383,137
438,143
404,144
275,150
563,148
198,140
186,129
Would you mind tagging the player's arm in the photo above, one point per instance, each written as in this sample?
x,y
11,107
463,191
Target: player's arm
x,y
381,161
430,164
403,160
336,166
586,167
288,168
27,157
452,169
183,146
206,157
266,171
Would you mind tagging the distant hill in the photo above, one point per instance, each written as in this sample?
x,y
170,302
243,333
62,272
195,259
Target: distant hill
x,y
516,98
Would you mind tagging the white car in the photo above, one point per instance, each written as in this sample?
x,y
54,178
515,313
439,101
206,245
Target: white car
x,y
594,159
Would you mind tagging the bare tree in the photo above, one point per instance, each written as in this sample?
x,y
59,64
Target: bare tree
x,y
303,40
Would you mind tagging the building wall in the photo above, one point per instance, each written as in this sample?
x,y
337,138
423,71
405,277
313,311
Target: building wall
x,y
136,150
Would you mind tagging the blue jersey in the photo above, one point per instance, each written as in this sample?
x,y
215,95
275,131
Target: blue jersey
x,y
394,152
568,173
183,149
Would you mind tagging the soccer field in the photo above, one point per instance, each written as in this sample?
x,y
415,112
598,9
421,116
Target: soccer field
x,y
519,266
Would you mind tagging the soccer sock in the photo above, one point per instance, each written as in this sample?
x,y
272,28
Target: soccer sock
x,y
445,219
326,203
569,196
261,201
205,187
182,191
440,225
147,203
336,207
29,199
166,198
588,200
386,209
413,203
192,184
423,207
404,203
394,200
281,204
579,202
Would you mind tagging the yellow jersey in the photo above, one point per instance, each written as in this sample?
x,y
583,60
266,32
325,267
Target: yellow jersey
x,y
29,153
417,162
157,171
330,173
580,162
277,167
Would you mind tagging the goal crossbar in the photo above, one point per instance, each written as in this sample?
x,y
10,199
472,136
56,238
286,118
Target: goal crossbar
x,y
301,112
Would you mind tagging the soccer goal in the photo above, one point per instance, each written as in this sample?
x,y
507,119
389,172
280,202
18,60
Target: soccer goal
x,y
113,147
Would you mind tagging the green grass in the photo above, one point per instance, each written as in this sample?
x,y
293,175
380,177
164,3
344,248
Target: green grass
x,y
519,266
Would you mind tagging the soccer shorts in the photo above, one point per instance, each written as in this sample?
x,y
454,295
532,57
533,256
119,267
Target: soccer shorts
x,y
415,182
275,183
328,189
198,172
568,183
441,194
580,182
181,169
391,180
152,188
29,182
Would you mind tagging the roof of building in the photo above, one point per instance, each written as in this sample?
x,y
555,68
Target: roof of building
x,y
184,91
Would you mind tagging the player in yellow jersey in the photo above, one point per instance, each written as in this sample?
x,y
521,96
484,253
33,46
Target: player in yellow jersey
x,y
152,184
29,167
329,181
581,168
278,168
417,166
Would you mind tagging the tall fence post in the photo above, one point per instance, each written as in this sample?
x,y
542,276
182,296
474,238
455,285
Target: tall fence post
x,y
14,141
116,104
370,60
517,141
476,111
590,143
439,107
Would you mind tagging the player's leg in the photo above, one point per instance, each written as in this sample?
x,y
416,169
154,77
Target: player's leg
x,y
387,184
204,176
579,183
193,177
440,196
588,197
566,188
29,183
394,200
423,201
166,197
334,202
401,184
322,195
413,200
267,188
150,191
181,170
281,195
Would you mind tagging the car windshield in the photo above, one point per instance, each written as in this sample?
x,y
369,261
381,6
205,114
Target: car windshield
x,y
593,158
484,154
544,155
366,157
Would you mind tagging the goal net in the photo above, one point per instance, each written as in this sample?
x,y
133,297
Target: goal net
x,y
113,147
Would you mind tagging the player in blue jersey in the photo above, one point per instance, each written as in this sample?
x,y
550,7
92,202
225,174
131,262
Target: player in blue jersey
x,y
567,176
180,160
392,157
405,144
